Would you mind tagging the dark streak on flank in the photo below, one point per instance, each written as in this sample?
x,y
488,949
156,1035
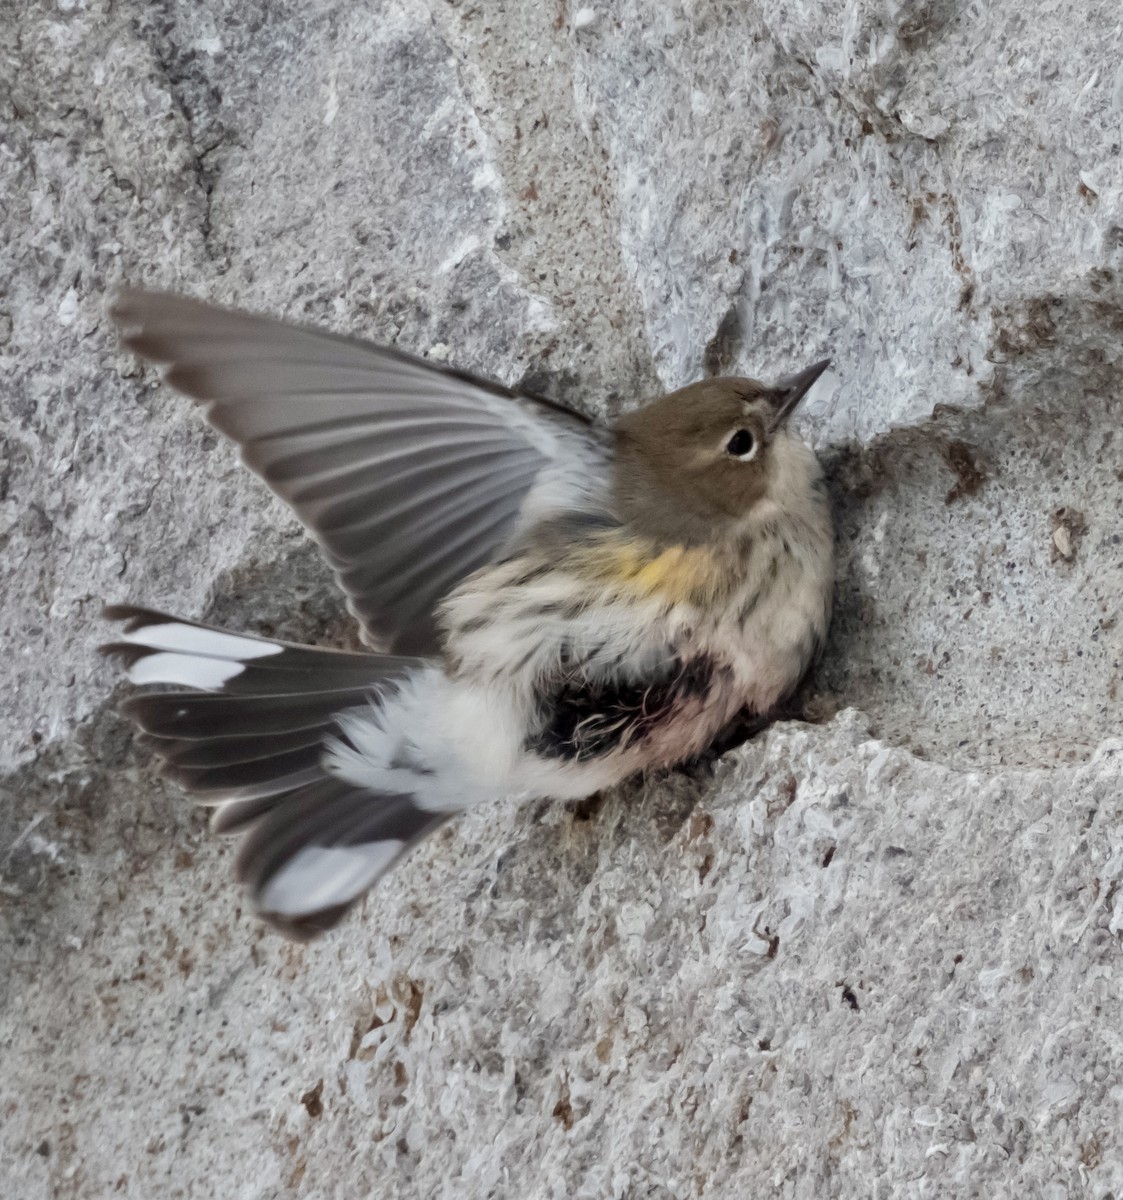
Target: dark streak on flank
x,y
531,574
589,718
567,610
749,606
475,624
817,646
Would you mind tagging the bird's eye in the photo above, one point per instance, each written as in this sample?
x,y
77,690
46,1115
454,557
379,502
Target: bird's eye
x,y
741,445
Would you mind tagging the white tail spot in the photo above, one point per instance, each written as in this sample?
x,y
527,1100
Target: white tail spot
x,y
208,674
319,877
190,639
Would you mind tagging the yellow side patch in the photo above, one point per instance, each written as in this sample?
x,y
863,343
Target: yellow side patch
x,y
679,574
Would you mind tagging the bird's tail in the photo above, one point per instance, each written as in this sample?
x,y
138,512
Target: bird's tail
x,y
249,740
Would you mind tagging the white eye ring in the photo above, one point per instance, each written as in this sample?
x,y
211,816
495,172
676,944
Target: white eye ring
x,y
741,444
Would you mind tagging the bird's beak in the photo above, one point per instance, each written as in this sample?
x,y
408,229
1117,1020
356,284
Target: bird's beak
x,y
791,390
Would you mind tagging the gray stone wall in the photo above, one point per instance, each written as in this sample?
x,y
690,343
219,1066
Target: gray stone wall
x,y
874,954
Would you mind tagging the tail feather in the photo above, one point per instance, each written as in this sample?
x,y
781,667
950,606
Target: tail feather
x,y
251,741
257,723
229,750
236,816
273,788
201,716
321,849
288,769
156,648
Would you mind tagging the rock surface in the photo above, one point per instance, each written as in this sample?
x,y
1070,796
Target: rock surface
x,y
880,955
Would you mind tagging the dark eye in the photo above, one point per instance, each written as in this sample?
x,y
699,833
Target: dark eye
x,y
741,444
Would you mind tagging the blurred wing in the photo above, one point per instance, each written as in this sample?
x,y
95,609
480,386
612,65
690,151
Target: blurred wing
x,y
409,475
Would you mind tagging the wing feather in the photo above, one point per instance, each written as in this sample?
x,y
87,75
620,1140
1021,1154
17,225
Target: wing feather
x,y
409,474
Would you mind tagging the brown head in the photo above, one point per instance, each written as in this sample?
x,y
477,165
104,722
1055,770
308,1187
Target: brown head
x,y
699,461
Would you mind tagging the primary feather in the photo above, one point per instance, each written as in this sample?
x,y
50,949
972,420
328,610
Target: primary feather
x,y
409,474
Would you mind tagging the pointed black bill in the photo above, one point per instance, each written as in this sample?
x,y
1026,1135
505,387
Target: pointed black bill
x,y
791,390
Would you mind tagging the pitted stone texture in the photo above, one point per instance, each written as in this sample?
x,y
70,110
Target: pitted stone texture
x,y
829,968
980,590
874,957
763,199
859,180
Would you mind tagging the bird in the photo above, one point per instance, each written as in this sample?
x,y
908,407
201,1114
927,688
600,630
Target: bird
x,y
548,607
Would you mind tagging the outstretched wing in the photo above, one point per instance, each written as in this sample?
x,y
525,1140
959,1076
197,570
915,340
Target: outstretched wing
x,y
409,475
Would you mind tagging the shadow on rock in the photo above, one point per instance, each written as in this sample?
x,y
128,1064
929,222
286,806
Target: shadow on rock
x,y
981,556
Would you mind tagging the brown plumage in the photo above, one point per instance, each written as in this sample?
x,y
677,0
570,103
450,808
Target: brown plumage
x,y
675,476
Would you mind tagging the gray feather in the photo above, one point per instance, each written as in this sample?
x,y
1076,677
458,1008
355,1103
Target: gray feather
x,y
315,853
380,454
253,746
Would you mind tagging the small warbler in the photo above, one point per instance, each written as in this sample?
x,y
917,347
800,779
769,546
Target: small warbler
x,y
552,607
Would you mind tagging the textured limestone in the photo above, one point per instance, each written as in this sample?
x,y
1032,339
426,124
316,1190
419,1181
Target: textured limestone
x,y
879,955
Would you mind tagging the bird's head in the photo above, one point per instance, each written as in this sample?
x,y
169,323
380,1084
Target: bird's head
x,y
702,461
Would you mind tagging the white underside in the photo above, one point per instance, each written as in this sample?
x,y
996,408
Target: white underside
x,y
453,742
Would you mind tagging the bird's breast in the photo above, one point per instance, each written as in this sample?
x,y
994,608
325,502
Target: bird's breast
x,y
776,620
